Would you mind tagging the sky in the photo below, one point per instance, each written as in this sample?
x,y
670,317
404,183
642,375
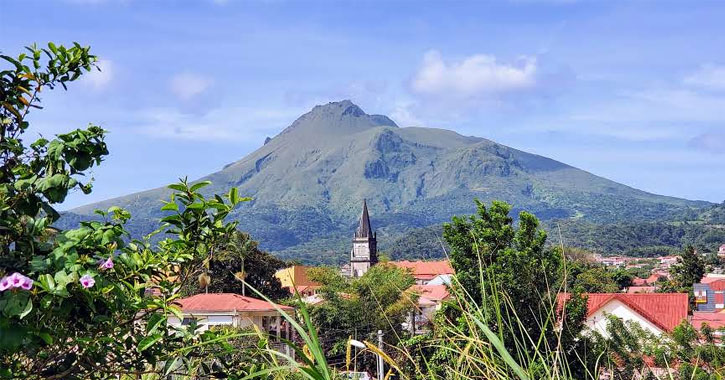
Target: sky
x,y
632,91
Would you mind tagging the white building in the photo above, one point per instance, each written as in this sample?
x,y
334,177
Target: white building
x,y
229,309
655,312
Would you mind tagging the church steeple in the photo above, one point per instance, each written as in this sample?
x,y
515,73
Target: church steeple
x,y
364,252
363,229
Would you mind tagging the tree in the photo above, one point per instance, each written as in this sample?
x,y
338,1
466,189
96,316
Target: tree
x,y
73,303
241,259
689,270
379,300
596,280
492,258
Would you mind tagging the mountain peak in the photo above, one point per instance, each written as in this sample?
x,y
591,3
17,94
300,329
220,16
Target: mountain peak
x,y
343,115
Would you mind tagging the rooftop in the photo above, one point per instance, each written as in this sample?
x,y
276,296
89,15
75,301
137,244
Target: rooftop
x,y
223,302
666,310
425,270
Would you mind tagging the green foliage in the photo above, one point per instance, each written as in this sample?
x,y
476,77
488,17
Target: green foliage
x,y
241,262
87,314
492,258
378,300
689,270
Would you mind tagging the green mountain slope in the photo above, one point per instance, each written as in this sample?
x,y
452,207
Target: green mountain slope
x,y
308,183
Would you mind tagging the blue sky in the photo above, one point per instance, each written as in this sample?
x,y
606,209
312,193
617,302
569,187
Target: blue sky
x,y
632,91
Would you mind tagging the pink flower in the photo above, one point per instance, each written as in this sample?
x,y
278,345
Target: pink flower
x,y
16,280
107,264
27,283
87,281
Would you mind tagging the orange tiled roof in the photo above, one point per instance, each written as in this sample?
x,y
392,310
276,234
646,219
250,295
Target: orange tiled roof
x,y
425,270
665,310
432,292
221,302
641,289
714,320
717,285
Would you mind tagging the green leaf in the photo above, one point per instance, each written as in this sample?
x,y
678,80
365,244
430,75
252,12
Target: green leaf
x,y
46,337
195,206
19,304
177,187
234,195
154,322
170,206
199,185
148,342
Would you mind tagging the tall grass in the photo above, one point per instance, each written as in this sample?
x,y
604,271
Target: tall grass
x,y
465,347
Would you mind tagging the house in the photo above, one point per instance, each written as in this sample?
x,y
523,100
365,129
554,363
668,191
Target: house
x,y
430,298
716,321
425,271
441,279
641,289
295,280
655,312
614,261
230,309
721,251
710,294
667,261
649,281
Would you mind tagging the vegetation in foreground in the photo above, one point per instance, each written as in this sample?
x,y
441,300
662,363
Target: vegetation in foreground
x,y
75,303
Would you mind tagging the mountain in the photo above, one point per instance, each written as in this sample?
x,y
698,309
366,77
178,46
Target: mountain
x,y
308,183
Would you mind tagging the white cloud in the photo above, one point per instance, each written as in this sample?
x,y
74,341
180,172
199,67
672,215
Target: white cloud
x,y
404,116
707,76
188,85
474,76
236,124
100,79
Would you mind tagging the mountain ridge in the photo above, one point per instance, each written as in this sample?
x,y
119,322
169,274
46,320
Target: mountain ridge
x,y
308,181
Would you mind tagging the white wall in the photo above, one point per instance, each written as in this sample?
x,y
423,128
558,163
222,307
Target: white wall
x,y
598,320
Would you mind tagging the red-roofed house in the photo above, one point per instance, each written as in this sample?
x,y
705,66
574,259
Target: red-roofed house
x,y
655,312
425,271
430,298
651,280
641,289
229,309
714,320
721,251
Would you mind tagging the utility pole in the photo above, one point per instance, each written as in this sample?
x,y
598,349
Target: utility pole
x,y
381,368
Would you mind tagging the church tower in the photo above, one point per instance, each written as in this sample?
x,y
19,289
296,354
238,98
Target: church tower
x,y
364,252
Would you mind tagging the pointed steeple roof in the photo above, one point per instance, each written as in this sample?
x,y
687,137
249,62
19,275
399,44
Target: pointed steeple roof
x,y
363,229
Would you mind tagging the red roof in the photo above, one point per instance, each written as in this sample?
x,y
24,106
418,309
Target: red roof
x,y
637,281
425,270
222,302
710,279
431,292
717,285
665,310
641,289
719,298
714,320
